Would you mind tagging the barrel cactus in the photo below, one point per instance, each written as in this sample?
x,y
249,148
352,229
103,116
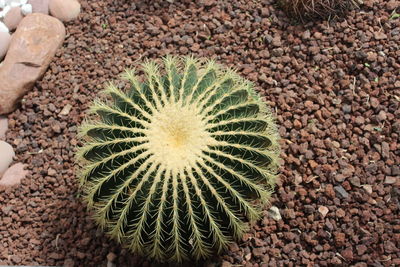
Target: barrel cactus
x,y
171,166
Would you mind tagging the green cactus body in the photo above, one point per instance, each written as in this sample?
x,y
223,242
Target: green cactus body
x,y
170,167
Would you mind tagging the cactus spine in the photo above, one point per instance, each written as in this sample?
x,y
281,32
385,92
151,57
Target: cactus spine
x,y
171,166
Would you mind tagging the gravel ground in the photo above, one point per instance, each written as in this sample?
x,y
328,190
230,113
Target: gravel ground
x,y
334,85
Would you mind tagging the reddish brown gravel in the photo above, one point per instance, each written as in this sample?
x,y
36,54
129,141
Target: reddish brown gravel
x,y
334,85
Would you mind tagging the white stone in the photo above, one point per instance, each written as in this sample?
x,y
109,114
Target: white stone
x,y
6,156
26,9
14,4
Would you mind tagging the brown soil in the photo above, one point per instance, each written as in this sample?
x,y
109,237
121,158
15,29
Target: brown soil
x,y
334,85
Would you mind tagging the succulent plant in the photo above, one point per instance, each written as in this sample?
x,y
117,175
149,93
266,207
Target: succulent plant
x,y
171,166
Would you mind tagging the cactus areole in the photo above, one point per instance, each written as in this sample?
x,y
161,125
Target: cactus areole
x,y
171,167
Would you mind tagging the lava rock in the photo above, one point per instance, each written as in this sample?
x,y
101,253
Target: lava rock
x,y
341,191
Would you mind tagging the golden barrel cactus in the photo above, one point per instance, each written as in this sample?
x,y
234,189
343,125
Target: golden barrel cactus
x,y
171,166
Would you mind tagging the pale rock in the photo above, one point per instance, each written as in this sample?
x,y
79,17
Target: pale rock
x,y
6,156
26,9
65,10
13,18
31,50
3,127
323,210
390,180
5,39
367,188
14,175
66,109
274,213
40,6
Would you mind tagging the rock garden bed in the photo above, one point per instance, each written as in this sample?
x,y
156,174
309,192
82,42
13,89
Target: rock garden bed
x,y
334,85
